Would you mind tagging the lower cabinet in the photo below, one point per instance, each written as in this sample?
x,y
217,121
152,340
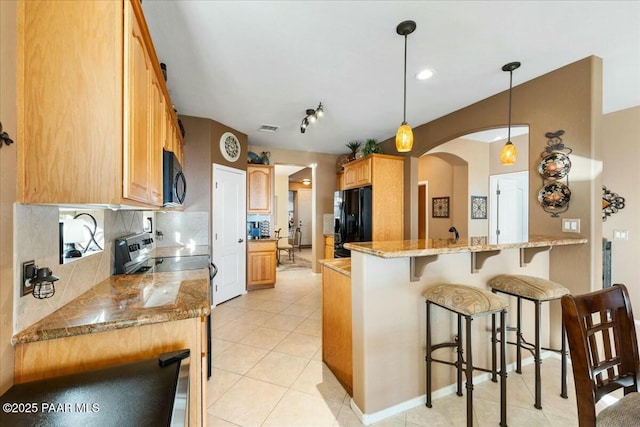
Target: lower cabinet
x,y
261,264
337,340
80,353
328,247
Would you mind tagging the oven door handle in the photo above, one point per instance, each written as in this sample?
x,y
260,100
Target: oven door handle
x,y
213,270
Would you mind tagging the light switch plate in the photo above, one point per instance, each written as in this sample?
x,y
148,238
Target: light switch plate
x,y
570,225
620,235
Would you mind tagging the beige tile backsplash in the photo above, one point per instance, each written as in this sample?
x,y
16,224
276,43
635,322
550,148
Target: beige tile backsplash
x,y
36,238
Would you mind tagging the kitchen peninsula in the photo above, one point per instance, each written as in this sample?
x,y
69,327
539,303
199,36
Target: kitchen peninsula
x,y
388,310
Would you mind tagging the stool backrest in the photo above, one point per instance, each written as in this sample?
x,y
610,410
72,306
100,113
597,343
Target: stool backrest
x,y
603,344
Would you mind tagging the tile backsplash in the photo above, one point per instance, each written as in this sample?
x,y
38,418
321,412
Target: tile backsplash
x,y
182,228
37,238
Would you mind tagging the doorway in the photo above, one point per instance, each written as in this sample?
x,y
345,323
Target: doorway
x,y
509,207
228,232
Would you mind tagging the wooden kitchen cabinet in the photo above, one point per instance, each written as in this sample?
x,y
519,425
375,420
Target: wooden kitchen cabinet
x,y
261,264
385,174
337,341
328,247
87,106
260,188
340,181
80,353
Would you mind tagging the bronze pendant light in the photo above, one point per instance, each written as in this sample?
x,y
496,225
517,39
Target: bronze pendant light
x,y
509,154
404,136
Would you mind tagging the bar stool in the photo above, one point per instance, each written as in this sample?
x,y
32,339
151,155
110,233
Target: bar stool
x,y
538,291
468,302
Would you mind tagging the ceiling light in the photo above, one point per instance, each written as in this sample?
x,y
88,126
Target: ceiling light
x,y
311,117
404,136
509,153
306,181
424,74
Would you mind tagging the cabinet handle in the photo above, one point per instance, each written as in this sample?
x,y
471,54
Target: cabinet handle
x,y
240,240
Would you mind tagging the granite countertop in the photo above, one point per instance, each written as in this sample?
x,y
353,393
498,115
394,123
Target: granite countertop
x,y
341,265
124,301
411,248
176,251
263,239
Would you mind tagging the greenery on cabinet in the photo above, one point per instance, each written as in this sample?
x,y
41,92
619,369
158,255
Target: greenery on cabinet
x,y
371,147
354,146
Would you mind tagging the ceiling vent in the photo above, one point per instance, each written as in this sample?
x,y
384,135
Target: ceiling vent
x,y
268,128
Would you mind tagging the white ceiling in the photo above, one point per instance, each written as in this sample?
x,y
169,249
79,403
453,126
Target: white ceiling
x,y
249,63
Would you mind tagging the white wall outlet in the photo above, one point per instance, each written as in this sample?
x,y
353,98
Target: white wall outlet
x,y
620,235
570,225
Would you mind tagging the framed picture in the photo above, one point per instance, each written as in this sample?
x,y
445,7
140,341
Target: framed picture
x,y
478,207
440,207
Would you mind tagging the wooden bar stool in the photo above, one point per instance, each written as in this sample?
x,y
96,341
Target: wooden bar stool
x,y
538,291
468,302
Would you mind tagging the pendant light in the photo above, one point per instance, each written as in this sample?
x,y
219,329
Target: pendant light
x,y
404,136
509,153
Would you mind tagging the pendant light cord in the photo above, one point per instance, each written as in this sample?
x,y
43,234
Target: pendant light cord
x,y
404,111
510,90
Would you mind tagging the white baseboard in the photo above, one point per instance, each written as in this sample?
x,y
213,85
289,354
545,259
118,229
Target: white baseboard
x,y
374,417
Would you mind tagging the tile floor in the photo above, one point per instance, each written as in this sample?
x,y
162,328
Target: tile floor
x,y
268,371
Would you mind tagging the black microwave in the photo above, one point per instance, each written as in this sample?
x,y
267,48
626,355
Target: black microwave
x,y
174,183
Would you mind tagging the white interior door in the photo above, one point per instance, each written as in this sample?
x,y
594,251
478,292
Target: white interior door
x,y
508,215
304,215
228,232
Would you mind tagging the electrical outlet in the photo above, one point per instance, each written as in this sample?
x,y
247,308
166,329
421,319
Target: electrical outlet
x,y
26,289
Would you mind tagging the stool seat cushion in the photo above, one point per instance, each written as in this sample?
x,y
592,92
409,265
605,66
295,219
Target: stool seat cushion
x,y
625,412
529,287
464,299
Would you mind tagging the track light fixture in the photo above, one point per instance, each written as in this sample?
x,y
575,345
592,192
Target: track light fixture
x,y
311,117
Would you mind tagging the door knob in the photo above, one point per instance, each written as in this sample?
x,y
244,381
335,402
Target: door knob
x,y
240,240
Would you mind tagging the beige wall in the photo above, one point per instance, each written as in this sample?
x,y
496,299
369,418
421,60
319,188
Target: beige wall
x,y
8,159
569,98
621,157
324,185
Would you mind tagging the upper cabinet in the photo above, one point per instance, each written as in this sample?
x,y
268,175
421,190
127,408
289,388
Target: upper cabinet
x,y
94,111
260,184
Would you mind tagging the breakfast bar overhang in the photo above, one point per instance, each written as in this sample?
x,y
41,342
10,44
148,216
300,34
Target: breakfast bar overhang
x,y
388,310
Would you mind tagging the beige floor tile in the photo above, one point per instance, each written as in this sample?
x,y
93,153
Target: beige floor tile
x,y
300,409
299,310
218,422
317,380
218,346
347,418
316,314
222,314
278,368
255,317
560,421
299,345
239,358
264,338
233,331
517,392
446,411
283,322
310,327
318,355
273,306
488,415
219,383
248,402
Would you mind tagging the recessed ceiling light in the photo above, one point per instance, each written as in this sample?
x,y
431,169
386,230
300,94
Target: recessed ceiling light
x,y
424,74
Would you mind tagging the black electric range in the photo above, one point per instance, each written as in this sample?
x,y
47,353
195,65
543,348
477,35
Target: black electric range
x,y
133,256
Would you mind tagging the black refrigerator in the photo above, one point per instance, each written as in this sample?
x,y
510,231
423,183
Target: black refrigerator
x,y
352,218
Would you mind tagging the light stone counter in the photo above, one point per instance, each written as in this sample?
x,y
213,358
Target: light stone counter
x,y
124,301
341,265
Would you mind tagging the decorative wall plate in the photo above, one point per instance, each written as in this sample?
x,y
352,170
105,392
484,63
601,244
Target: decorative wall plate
x,y
440,207
555,165
554,197
478,207
611,203
230,147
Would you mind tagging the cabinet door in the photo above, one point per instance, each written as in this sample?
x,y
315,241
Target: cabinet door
x,y
157,117
261,268
137,148
357,174
260,190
